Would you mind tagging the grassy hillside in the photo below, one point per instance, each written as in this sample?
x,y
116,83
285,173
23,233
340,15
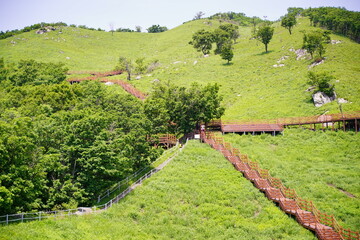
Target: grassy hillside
x,y
321,166
251,86
199,195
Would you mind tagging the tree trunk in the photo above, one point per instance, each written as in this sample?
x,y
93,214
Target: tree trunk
x,y
266,48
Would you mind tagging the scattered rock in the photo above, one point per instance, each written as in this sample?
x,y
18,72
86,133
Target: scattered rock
x,y
109,83
310,89
279,65
337,81
282,59
176,62
321,98
316,63
45,30
300,53
155,80
335,41
13,42
206,55
68,58
61,52
342,100
138,78
195,62
149,75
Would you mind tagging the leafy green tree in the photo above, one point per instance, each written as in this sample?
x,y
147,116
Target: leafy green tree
x,y
30,72
221,38
264,34
232,30
288,22
156,29
184,108
314,42
322,82
227,53
125,64
202,41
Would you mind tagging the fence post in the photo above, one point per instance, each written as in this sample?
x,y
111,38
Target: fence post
x,y
7,219
22,217
39,216
98,198
108,192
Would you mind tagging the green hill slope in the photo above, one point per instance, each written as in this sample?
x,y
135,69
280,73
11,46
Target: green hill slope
x,y
252,87
199,195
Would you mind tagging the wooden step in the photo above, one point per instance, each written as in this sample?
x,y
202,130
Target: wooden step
x,y
262,184
251,175
289,206
324,232
274,194
233,159
242,167
307,219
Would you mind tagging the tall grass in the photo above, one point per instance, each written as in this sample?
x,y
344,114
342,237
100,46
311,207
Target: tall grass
x,y
199,195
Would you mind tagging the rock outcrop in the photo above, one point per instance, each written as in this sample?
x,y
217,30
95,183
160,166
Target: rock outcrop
x,y
321,98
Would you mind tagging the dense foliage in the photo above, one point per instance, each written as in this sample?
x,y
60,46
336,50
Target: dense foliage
x,y
338,20
314,42
322,82
179,110
156,29
61,144
239,18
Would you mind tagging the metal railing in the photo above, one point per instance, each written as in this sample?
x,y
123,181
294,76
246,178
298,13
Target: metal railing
x,y
23,217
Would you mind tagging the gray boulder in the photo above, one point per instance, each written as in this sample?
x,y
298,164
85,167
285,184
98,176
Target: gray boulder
x,y
321,98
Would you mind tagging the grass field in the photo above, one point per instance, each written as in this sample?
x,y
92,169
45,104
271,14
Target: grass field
x,y
251,86
321,166
199,195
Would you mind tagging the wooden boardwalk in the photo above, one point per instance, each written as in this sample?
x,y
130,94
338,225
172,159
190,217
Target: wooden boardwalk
x,y
101,76
340,121
323,225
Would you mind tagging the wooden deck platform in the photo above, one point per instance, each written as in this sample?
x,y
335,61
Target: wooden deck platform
x,y
251,128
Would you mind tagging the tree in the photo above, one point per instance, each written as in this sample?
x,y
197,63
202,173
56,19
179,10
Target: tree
x,y
288,22
314,42
264,34
322,82
125,65
232,30
198,15
183,108
227,53
202,41
156,29
221,38
138,28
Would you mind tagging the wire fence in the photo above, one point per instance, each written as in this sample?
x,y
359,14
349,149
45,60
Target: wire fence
x,y
24,217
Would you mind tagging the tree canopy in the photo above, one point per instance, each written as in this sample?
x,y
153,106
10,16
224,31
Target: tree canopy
x,y
288,22
156,29
264,34
179,110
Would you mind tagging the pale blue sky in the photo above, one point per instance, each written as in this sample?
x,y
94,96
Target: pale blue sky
x,y
16,14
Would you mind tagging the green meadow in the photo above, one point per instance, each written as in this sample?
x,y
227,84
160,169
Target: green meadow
x,y
199,195
251,86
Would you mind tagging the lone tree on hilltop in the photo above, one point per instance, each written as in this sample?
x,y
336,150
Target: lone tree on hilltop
x,y
198,15
264,34
288,22
202,41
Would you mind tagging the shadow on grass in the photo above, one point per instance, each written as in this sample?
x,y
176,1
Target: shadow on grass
x,y
227,64
263,53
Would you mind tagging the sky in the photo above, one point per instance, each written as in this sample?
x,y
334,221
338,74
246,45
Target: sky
x,y
16,14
